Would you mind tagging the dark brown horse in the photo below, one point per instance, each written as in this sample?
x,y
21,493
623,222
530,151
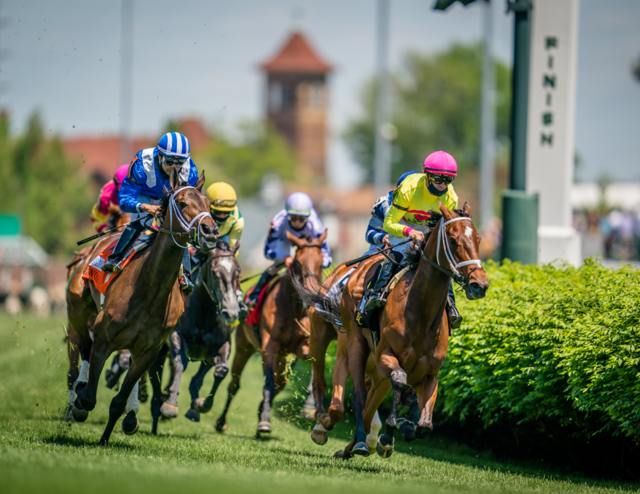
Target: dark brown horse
x,y
284,330
413,329
142,305
116,218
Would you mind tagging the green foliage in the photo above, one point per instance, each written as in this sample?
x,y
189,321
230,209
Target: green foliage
x,y
40,183
554,347
244,159
436,105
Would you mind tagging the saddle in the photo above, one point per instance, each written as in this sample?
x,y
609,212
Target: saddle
x,y
103,280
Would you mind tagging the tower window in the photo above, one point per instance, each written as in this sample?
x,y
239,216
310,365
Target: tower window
x,y
316,95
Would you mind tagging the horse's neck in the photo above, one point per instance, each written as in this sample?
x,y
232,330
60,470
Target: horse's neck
x,y
430,285
161,267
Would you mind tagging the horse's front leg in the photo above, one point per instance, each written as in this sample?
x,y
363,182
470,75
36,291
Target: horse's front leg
x,y
194,390
155,376
269,390
427,394
180,362
220,371
389,367
125,399
100,351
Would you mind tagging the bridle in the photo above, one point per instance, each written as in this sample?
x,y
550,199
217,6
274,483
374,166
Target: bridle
x,y
206,281
453,264
189,232
308,246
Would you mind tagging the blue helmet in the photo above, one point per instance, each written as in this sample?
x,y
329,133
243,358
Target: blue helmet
x,y
298,204
174,144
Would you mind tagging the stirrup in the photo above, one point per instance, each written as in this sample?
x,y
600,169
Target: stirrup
x,y
454,317
186,285
375,302
112,266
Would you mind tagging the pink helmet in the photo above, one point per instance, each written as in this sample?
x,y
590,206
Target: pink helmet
x,y
121,173
440,163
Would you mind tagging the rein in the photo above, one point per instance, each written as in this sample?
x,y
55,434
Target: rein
x,y
188,226
453,264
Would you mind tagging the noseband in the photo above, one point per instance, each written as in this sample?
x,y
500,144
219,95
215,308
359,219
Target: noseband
x,y
206,281
453,264
189,232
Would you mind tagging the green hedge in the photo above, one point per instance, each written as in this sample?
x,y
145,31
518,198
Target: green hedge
x,y
556,346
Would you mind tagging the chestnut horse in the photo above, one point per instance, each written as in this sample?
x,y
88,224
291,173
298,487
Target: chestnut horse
x,y
413,329
116,218
284,330
142,305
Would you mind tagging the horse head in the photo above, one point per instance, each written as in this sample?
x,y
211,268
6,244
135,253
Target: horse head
x,y
459,245
308,257
221,273
186,210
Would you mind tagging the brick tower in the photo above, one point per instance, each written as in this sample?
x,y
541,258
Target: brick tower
x,y
297,101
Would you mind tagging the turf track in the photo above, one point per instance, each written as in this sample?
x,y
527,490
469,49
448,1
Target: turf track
x,y
39,453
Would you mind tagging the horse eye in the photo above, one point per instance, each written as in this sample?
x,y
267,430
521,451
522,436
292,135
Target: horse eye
x,y
452,242
182,205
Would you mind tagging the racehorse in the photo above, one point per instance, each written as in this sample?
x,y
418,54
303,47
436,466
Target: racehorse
x,y
203,333
117,217
283,329
142,305
413,329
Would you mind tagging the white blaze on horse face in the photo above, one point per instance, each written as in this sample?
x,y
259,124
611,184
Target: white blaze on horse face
x,y
468,231
132,402
226,263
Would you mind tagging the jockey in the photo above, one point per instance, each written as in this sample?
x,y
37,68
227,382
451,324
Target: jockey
x,y
142,189
416,195
108,199
225,212
298,218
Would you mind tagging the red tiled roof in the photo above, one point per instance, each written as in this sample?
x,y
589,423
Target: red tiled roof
x,y
297,55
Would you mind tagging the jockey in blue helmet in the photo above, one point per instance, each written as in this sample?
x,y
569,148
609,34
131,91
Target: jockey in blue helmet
x,y
144,186
298,218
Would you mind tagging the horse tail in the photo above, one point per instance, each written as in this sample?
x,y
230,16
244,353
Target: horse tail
x,y
325,301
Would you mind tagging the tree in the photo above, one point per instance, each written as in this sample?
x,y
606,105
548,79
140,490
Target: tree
x,y
436,105
242,160
43,186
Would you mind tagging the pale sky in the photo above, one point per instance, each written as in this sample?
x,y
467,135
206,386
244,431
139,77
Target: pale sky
x,y
200,58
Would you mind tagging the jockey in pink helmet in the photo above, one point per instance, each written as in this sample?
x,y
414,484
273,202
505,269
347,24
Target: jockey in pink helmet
x,y
108,199
413,200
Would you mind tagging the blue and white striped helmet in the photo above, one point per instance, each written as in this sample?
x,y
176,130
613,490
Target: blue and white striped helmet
x,y
174,144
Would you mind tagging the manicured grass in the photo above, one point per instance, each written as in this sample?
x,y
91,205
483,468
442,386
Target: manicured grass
x,y
39,453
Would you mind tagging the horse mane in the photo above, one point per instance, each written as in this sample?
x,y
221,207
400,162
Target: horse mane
x,y
222,245
413,255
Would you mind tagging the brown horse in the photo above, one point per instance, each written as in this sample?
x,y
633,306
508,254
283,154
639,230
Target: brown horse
x,y
142,305
284,330
117,217
413,329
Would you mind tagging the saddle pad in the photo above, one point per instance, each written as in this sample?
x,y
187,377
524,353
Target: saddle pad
x,y
254,315
101,279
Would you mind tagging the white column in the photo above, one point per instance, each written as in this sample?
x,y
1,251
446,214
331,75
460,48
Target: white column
x,y
551,125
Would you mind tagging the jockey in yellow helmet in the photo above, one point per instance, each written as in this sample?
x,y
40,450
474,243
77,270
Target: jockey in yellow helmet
x,y
225,212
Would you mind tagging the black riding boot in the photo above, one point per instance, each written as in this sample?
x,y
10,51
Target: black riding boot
x,y
455,319
186,286
266,276
374,295
244,310
126,240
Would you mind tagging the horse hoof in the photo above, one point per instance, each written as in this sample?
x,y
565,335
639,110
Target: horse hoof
x,y
78,413
308,414
372,440
130,424
319,435
384,450
193,415
200,404
341,455
361,449
169,410
221,427
422,432
408,429
264,427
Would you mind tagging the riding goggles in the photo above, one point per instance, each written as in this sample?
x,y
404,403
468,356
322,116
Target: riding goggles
x,y
220,215
223,203
173,160
438,179
295,217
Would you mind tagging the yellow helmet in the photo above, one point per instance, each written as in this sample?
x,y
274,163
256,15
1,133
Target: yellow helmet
x,y
222,196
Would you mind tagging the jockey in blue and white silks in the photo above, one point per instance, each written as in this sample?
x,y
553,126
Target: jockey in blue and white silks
x,y
144,186
298,218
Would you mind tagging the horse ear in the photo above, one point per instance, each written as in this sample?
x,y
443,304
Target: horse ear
x,y
174,178
298,242
323,237
235,248
445,212
199,184
467,209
